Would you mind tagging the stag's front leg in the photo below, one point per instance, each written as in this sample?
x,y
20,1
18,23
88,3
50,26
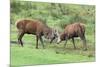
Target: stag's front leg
x,y
65,43
84,42
37,37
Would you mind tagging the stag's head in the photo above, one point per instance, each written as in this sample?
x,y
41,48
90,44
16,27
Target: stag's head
x,y
55,35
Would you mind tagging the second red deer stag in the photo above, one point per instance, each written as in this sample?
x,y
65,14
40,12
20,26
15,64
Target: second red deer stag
x,y
71,31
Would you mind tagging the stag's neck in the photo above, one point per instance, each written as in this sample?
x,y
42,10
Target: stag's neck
x,y
46,29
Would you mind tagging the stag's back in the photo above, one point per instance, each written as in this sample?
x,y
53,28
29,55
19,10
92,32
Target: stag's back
x,y
75,29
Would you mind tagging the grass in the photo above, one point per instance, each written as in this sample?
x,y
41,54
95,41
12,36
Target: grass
x,y
28,55
53,54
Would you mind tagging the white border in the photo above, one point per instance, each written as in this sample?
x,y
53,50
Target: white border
x,y
89,2
5,33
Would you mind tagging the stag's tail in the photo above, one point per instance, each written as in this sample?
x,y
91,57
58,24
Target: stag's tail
x,y
16,23
19,24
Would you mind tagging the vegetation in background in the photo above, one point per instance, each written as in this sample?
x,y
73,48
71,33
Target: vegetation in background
x,y
55,15
52,12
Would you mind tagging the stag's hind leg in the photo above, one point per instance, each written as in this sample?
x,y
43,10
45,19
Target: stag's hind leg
x,y
84,42
73,43
20,35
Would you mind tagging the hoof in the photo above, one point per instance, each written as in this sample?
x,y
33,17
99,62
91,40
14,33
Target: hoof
x,y
37,48
22,46
43,47
75,48
57,52
85,49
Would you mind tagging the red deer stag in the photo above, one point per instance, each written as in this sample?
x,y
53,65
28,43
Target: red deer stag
x,y
35,27
71,31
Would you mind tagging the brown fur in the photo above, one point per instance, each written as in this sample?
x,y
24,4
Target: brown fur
x,y
74,30
35,27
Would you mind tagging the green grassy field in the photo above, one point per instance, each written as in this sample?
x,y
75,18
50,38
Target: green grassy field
x,y
31,56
